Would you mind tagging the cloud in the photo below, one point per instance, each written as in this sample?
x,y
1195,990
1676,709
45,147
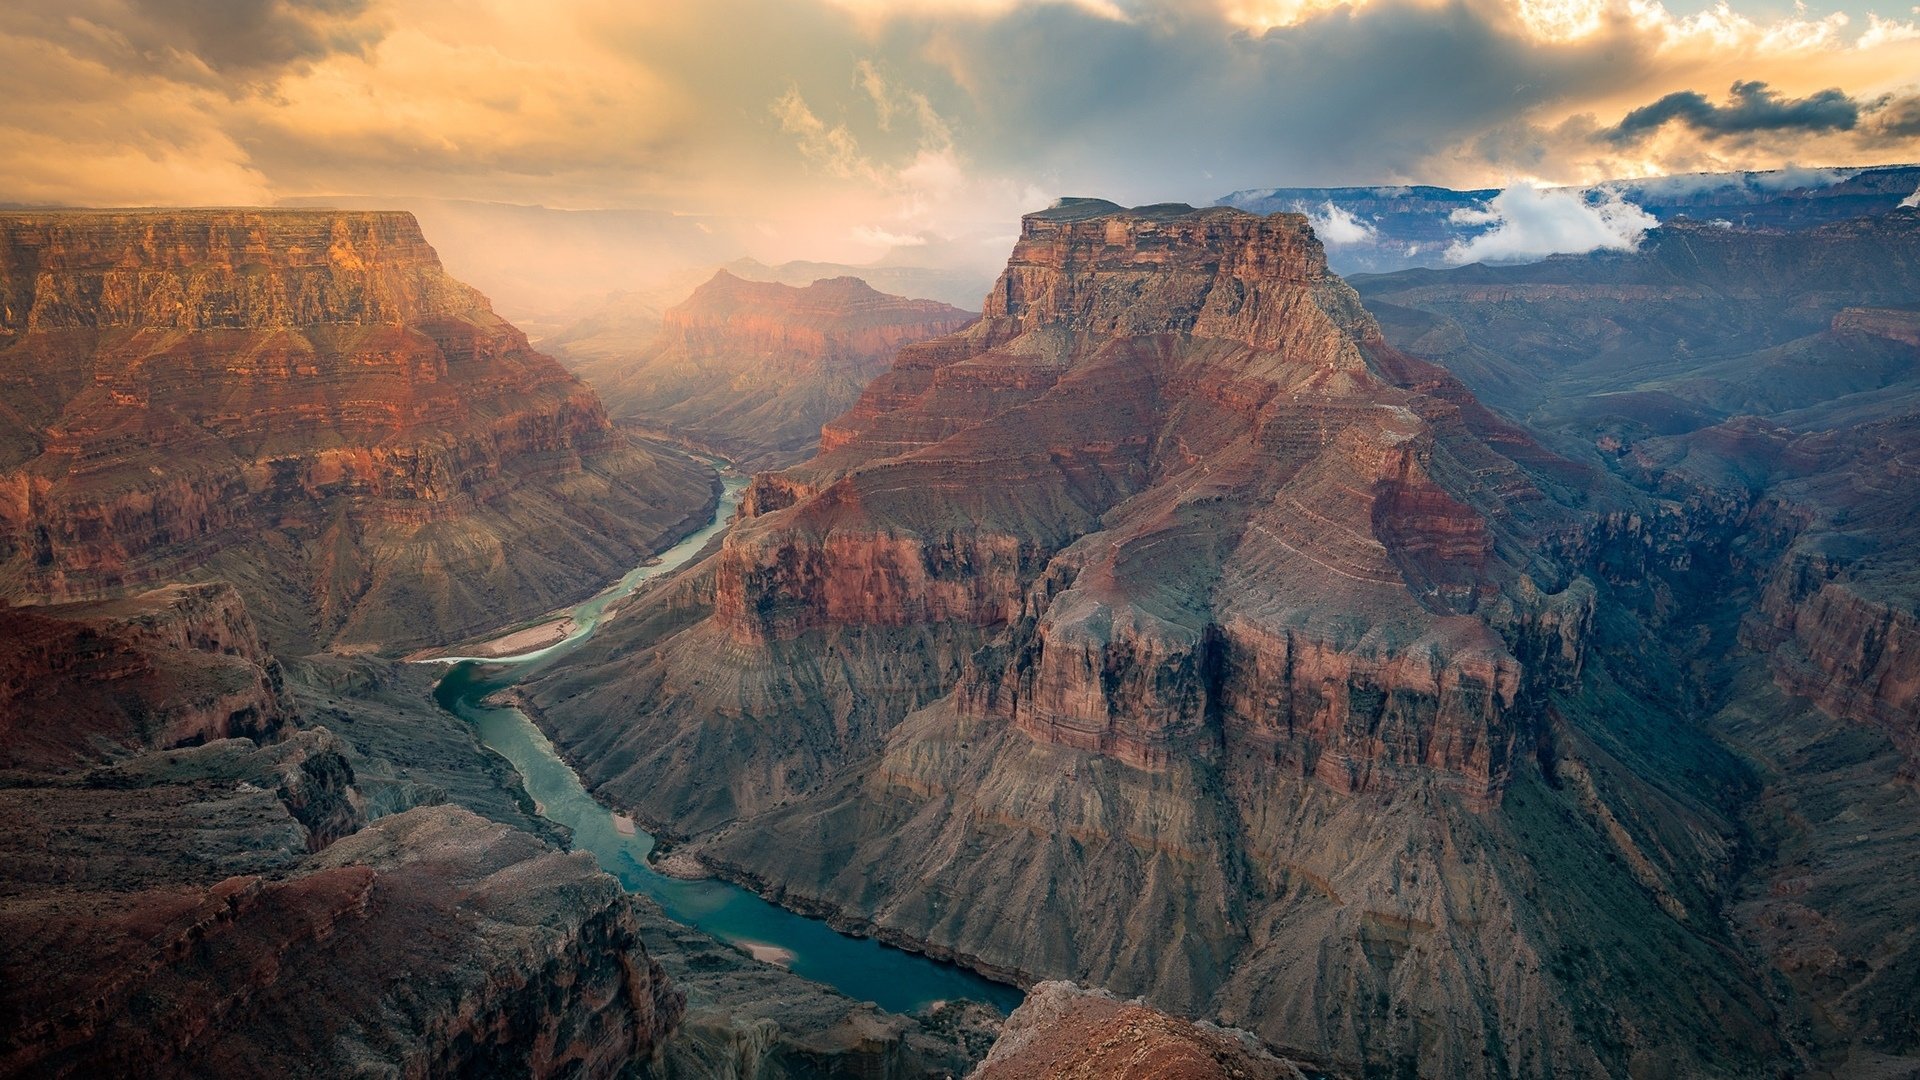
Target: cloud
x,y
791,125
1337,227
1530,223
1752,106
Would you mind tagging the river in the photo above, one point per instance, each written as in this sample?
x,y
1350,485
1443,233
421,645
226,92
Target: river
x,y
861,968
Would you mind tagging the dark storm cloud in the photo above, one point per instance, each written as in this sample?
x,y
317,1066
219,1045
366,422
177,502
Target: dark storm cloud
x,y
1895,118
1752,106
252,35
235,42
1172,101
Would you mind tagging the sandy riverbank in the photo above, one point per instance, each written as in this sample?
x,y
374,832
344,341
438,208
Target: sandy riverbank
x,y
524,640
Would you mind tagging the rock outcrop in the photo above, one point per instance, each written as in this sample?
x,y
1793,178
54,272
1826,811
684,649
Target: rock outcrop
x,y
1170,631
169,667
304,403
1065,1033
429,943
751,369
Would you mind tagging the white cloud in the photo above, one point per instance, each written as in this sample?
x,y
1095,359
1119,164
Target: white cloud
x,y
1338,227
1529,222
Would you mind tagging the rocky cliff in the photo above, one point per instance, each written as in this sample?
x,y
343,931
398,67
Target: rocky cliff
x,y
1765,386
1170,631
751,369
304,403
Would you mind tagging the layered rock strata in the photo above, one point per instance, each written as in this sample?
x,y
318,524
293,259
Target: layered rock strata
x,y
1170,631
171,666
304,403
1766,387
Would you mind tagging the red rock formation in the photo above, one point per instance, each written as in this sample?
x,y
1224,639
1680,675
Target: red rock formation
x,y
180,902
305,403
1202,382
1169,631
432,942
1893,324
752,369
1065,1033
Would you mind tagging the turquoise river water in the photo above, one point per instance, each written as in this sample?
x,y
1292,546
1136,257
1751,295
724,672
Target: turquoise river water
x,y
861,968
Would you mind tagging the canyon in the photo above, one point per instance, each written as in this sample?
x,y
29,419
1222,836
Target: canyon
x,y
750,370
198,884
1277,676
253,456
1171,631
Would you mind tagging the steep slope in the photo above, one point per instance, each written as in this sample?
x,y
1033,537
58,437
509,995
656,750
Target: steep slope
x,y
305,404
1169,631
1767,387
752,369
176,665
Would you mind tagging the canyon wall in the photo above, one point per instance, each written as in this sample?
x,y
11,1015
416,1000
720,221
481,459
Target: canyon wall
x,y
1765,388
305,404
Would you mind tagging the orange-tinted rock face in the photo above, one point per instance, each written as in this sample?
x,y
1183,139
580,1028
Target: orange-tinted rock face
x,y
752,369
831,324
1064,1033
301,401
1893,324
1179,412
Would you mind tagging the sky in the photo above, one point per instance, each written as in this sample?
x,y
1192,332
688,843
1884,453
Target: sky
x,y
855,130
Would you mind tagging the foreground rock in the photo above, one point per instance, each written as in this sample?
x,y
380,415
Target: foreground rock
x,y
305,404
1171,632
181,902
751,369
432,942
1065,1033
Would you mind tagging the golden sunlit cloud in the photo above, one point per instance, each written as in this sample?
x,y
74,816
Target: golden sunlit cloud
x,y
845,128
